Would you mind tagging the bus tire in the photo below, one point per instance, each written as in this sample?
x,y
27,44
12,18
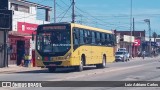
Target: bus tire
x,y
80,67
52,69
103,64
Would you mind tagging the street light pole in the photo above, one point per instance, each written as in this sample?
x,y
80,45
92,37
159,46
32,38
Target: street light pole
x,y
149,28
73,11
131,29
54,11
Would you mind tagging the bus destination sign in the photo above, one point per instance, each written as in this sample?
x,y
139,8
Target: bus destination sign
x,y
53,27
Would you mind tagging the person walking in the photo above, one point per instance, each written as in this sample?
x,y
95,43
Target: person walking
x,y
143,54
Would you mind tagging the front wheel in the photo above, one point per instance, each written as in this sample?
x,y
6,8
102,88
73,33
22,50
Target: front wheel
x,y
80,67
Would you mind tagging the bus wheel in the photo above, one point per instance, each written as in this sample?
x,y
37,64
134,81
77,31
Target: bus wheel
x,y
80,67
103,64
52,69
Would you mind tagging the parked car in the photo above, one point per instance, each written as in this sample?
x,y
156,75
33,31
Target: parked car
x,y
121,56
121,49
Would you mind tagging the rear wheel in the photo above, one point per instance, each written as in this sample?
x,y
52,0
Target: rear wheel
x,y
52,69
103,64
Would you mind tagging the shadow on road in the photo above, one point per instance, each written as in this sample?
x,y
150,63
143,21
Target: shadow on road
x,y
58,70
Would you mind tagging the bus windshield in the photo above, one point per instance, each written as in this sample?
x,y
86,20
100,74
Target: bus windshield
x,y
53,42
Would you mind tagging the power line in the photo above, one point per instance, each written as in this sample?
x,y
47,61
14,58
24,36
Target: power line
x,y
65,13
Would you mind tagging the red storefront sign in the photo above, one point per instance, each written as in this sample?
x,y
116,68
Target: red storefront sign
x,y
24,27
137,42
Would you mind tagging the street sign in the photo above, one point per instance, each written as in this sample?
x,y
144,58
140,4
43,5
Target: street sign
x,y
6,19
137,42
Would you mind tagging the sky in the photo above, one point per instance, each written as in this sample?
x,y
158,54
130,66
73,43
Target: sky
x,y
108,14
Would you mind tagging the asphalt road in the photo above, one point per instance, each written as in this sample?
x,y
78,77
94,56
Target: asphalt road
x,y
135,70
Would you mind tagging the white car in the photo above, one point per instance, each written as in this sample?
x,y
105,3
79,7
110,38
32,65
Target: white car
x,y
121,56
121,49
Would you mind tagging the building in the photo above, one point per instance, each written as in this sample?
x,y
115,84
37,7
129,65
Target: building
x,y
24,23
131,42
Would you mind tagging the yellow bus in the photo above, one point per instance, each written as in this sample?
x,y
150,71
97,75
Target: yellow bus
x,y
73,45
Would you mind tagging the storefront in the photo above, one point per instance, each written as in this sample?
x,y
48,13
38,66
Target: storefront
x,y
20,42
136,47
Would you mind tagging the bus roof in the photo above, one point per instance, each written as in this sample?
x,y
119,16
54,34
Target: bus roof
x,y
90,28
80,26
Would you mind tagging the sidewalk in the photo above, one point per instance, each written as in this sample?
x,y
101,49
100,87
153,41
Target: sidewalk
x,y
15,68
146,58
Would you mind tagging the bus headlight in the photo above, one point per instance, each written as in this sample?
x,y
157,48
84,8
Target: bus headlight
x,y
38,57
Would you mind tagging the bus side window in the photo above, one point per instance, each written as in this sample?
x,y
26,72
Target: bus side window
x,y
81,37
113,38
93,37
85,37
89,36
76,36
106,39
103,39
110,40
115,42
98,38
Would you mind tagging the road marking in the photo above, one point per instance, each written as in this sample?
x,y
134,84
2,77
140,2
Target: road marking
x,y
99,72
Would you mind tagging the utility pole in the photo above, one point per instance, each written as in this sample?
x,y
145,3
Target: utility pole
x,y
149,28
133,36
54,11
131,28
150,46
73,11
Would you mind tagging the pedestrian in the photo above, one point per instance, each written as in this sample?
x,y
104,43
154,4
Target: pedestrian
x,y
154,53
20,57
138,53
27,60
143,54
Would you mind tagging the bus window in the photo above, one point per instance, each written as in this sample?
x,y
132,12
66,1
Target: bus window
x,y
103,38
76,36
81,37
89,37
47,46
93,38
106,39
98,38
85,37
40,42
110,40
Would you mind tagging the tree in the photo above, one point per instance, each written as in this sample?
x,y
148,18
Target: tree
x,y
154,35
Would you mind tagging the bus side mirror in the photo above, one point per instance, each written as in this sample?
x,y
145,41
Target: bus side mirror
x,y
32,37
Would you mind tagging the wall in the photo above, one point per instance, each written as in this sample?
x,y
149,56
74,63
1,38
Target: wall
x,y
28,20
1,53
30,17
